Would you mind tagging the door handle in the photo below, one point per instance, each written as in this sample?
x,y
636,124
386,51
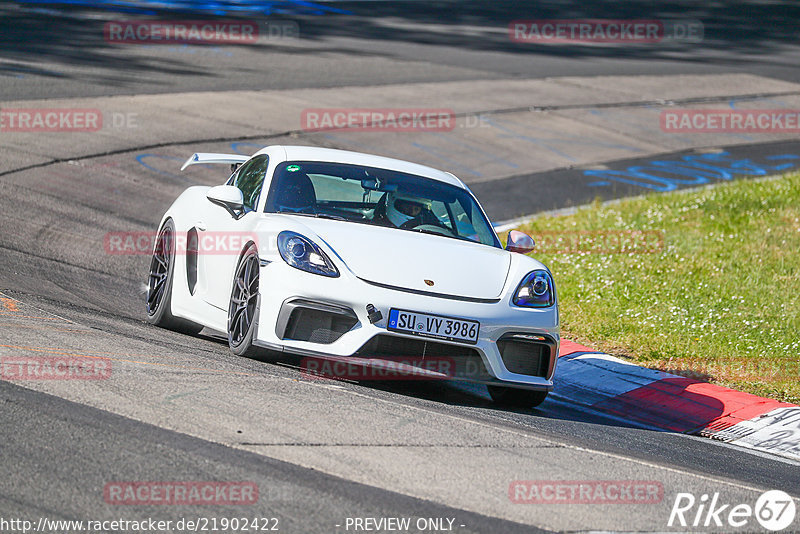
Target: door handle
x,y
201,226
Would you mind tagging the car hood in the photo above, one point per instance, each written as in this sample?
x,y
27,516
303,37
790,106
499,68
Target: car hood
x,y
405,259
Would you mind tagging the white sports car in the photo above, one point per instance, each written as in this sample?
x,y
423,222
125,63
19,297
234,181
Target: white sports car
x,y
353,257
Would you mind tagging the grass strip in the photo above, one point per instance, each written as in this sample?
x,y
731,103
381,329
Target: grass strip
x,y
704,283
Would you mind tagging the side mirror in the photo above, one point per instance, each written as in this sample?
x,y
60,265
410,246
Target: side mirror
x,y
519,242
229,197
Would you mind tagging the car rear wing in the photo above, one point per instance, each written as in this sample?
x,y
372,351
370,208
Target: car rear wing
x,y
205,157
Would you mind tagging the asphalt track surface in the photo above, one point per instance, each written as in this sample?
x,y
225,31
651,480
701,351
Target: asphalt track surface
x,y
51,52
183,408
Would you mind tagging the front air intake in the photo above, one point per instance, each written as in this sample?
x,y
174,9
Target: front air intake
x,y
457,361
315,322
526,354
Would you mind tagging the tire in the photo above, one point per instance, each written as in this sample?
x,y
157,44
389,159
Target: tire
x,y
159,285
243,306
518,398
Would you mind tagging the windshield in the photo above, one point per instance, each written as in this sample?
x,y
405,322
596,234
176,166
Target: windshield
x,y
380,197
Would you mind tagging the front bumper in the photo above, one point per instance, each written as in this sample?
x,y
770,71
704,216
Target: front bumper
x,y
284,289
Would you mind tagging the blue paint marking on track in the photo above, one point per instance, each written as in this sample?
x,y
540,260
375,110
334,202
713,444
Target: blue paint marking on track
x,y
217,8
778,103
785,165
662,175
152,166
236,147
142,157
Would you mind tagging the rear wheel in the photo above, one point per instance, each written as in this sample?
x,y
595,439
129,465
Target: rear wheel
x,y
518,398
244,305
159,286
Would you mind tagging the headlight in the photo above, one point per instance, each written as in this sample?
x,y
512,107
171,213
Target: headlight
x,y
301,253
535,291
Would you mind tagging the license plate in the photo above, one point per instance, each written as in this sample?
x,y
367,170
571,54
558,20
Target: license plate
x,y
436,326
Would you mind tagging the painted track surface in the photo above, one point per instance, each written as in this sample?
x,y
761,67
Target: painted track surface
x,y
183,408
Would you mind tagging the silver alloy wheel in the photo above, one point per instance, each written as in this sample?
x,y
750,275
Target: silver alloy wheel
x,y
244,299
159,270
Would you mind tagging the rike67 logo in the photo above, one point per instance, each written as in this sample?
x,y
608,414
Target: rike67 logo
x,y
774,510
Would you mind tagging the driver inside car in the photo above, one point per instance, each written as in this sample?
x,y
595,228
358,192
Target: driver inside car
x,y
408,211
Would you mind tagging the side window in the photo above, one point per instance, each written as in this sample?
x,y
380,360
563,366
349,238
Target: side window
x,y
250,177
439,209
464,226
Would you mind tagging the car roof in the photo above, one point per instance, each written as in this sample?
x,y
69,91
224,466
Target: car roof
x,y
310,153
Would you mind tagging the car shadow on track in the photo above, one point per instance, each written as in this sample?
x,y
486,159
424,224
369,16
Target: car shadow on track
x,y
446,393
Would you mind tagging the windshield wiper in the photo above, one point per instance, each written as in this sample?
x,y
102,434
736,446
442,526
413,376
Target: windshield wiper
x,y
329,216
316,215
431,232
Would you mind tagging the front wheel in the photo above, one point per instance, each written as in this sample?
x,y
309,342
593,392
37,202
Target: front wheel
x,y
518,398
159,286
244,304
